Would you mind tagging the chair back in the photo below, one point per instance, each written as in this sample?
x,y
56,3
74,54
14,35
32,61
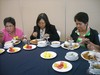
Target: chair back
x,y
59,33
99,37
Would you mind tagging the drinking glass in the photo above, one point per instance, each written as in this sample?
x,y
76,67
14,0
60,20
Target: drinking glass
x,y
46,36
25,41
70,44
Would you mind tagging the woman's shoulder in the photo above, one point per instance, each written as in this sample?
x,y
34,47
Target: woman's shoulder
x,y
93,30
3,30
19,30
51,25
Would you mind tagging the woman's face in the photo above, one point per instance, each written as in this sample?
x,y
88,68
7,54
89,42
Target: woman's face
x,y
10,28
81,27
42,24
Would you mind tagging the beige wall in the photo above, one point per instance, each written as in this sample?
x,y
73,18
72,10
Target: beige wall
x,y
60,13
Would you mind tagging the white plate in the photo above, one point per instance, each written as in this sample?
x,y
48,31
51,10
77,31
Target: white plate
x,y
68,68
48,54
33,47
14,42
1,50
62,45
71,59
54,46
17,49
91,52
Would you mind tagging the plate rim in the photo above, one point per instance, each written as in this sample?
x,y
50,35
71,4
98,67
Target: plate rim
x,y
71,66
48,58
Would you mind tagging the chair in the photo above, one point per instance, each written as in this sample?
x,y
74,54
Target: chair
x,y
59,33
99,37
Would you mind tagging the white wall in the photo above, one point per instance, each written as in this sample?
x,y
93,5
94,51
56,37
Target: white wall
x,y
60,12
92,7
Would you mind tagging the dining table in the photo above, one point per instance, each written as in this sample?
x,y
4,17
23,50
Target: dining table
x,y
30,62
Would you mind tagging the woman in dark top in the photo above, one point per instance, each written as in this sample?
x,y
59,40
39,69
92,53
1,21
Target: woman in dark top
x,y
82,32
44,28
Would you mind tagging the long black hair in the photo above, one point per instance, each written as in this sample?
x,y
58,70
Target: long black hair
x,y
44,17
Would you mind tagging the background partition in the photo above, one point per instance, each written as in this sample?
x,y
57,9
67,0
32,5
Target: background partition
x,y
60,12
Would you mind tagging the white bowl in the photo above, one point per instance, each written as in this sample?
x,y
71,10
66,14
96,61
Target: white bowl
x,y
8,44
41,44
71,56
55,43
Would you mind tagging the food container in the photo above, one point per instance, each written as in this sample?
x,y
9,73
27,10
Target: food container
x,y
72,56
55,43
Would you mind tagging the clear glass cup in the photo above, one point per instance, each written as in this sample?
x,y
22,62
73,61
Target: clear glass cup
x,y
70,44
46,37
25,40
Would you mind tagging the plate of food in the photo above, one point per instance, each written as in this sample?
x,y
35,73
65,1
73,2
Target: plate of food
x,y
62,66
34,41
29,47
67,46
15,42
88,55
13,49
48,54
2,50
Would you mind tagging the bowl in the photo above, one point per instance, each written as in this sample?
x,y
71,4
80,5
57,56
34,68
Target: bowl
x,y
71,56
41,43
8,44
55,43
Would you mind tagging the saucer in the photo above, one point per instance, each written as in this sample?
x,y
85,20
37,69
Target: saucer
x,y
55,46
71,59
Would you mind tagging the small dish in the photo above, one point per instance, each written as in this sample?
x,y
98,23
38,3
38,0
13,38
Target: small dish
x,y
42,44
55,43
72,56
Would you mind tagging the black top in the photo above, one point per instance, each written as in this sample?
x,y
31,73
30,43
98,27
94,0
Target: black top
x,y
93,36
51,30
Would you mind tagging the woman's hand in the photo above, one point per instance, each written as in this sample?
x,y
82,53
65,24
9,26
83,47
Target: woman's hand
x,y
91,46
85,41
35,34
